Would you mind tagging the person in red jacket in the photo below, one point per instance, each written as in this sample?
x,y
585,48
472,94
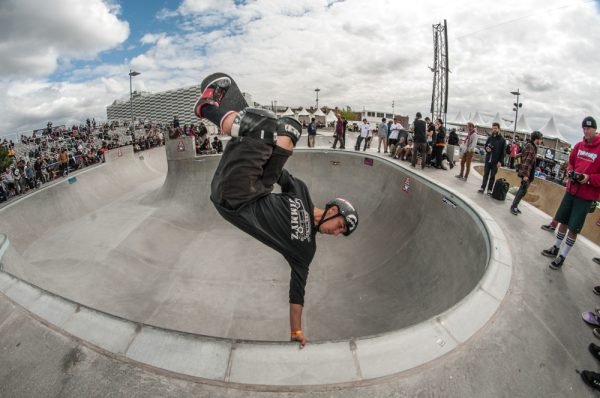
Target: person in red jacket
x,y
583,189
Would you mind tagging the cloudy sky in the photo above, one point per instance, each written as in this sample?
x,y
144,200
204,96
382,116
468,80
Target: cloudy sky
x,y
66,60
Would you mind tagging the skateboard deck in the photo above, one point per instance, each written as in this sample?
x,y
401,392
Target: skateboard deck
x,y
233,99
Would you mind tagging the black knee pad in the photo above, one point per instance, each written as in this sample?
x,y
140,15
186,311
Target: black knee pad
x,y
255,123
289,127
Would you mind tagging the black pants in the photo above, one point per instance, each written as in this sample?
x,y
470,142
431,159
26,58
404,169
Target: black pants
x,y
437,153
489,175
247,171
419,147
520,193
358,141
342,140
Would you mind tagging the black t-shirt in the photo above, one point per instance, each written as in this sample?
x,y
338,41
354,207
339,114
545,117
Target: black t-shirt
x,y
284,222
419,131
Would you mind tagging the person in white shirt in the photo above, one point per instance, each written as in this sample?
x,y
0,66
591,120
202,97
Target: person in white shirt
x,y
365,131
394,134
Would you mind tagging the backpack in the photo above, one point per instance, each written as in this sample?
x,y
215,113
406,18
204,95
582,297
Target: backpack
x,y
500,189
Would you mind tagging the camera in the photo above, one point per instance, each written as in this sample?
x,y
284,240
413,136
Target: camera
x,y
575,177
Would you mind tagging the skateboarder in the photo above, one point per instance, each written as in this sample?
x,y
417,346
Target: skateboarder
x,y
242,185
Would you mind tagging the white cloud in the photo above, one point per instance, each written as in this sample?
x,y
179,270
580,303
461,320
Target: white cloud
x,y
362,54
36,34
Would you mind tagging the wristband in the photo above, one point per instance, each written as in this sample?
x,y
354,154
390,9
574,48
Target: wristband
x,y
296,332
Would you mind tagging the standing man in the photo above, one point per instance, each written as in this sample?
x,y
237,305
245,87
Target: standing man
x,y
339,132
439,143
467,150
382,131
312,132
365,129
495,146
583,189
241,190
420,141
394,135
527,170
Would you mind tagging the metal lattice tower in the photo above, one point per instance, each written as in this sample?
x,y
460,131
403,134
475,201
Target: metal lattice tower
x,y
439,94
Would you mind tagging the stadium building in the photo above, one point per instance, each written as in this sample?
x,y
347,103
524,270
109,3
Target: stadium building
x,y
159,107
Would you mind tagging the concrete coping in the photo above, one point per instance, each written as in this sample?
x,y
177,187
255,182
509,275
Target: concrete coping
x,y
280,366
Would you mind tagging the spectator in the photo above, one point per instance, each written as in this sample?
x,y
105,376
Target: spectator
x,y
526,171
63,160
494,148
583,189
365,129
394,135
312,132
339,133
420,141
382,133
452,144
439,143
467,150
217,145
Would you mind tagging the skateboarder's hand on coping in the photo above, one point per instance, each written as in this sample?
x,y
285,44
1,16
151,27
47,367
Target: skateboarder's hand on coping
x,y
300,337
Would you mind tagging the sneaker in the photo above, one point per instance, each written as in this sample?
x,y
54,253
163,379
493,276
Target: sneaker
x,y
480,190
552,252
548,228
596,260
594,350
518,211
557,262
489,193
514,211
592,379
596,290
459,177
596,332
213,94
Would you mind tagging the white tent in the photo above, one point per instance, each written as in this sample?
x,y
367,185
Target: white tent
x,y
459,120
288,112
523,126
330,117
303,116
319,116
498,119
477,120
551,131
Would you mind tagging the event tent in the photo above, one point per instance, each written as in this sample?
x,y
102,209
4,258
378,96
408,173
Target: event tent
x,y
288,112
459,120
319,116
330,118
498,119
477,120
303,116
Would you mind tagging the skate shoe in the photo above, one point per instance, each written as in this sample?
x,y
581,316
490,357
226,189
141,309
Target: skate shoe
x,y
552,252
592,379
548,227
557,263
213,94
596,260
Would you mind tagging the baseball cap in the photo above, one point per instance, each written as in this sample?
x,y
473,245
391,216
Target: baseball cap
x,y
589,122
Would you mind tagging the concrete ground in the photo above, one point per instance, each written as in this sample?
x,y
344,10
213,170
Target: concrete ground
x,y
531,347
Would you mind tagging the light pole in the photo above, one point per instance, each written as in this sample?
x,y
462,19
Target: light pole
x,y
516,105
317,91
393,103
132,73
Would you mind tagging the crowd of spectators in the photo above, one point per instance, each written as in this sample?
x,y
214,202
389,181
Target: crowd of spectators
x,y
55,151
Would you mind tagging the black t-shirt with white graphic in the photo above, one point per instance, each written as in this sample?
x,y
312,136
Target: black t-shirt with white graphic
x,y
284,222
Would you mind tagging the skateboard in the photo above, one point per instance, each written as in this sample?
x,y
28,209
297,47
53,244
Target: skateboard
x,y
233,99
